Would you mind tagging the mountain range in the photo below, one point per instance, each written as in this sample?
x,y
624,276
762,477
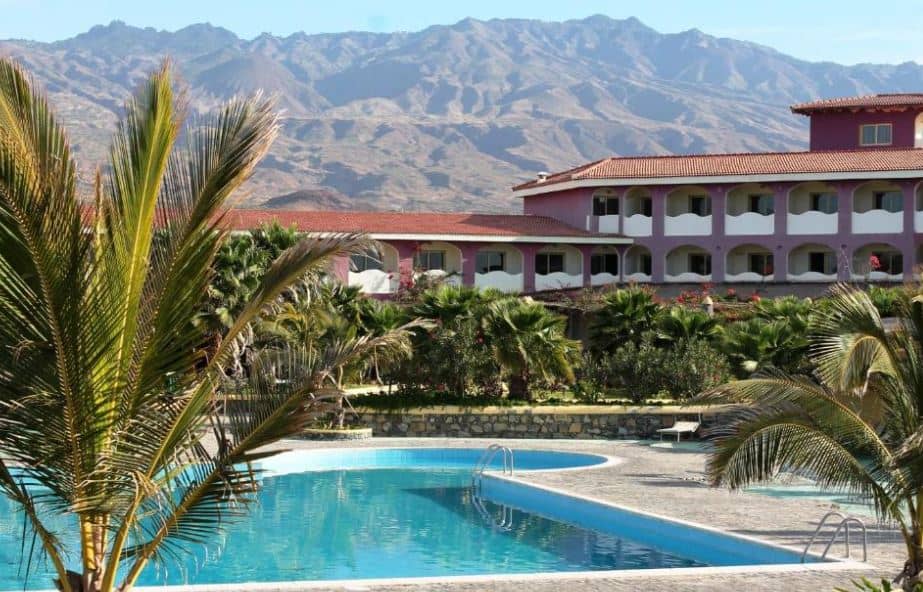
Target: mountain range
x,y
450,117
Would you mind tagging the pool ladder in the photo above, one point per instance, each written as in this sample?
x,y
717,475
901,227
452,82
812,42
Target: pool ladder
x,y
843,525
486,458
503,522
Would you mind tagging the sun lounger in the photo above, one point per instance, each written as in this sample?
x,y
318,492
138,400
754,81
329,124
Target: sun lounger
x,y
679,428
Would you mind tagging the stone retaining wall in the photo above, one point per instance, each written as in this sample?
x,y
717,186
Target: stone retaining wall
x,y
595,424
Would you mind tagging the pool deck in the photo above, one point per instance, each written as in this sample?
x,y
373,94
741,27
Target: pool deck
x,y
666,482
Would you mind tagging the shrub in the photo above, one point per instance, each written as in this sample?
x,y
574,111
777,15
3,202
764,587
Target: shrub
x,y
685,370
887,300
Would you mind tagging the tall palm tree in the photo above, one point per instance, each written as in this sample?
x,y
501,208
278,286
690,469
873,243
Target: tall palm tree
x,y
623,315
859,428
106,384
529,341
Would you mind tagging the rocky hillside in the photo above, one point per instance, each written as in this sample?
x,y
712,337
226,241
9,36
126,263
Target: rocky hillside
x,y
450,117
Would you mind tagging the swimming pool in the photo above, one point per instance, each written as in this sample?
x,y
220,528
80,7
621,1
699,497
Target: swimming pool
x,y
392,513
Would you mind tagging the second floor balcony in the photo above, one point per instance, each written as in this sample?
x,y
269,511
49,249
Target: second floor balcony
x,y
750,210
878,208
813,208
688,212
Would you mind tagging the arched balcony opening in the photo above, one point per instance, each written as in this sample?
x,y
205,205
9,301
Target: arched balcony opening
x,y
558,267
604,266
688,212
499,267
638,213
879,262
749,263
812,209
878,208
688,263
918,131
812,263
750,210
606,205
438,261
376,271
637,265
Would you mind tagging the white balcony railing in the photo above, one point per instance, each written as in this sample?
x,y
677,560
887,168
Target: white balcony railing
x,y
687,225
812,276
749,223
747,277
812,222
878,276
557,281
499,280
877,222
440,275
638,225
918,221
374,281
637,277
603,279
687,277
609,224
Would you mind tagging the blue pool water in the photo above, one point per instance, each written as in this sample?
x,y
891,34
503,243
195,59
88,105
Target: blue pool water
x,y
407,513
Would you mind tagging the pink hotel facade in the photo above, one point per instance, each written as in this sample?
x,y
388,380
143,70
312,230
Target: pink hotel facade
x,y
849,208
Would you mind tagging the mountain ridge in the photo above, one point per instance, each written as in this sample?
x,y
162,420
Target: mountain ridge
x,y
452,116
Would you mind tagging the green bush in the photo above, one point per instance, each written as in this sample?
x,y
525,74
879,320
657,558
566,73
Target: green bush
x,y
887,300
684,370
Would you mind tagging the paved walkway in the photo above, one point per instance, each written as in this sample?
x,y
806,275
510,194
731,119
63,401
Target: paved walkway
x,y
667,482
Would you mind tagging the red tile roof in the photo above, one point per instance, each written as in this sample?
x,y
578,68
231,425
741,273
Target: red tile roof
x,y
873,102
720,165
406,223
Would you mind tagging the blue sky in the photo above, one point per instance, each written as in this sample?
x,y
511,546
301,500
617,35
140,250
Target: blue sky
x,y
842,31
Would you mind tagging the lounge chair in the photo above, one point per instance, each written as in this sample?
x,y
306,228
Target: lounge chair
x,y
679,428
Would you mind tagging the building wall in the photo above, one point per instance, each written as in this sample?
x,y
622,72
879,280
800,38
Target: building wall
x,y
573,207
840,130
844,242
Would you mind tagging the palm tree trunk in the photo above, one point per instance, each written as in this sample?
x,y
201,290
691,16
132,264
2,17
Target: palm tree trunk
x,y
519,387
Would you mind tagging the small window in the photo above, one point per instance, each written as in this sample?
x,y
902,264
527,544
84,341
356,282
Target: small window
x,y
488,261
760,263
700,205
761,204
824,202
890,262
604,263
821,262
876,134
890,201
700,263
365,262
546,263
430,261
647,206
606,205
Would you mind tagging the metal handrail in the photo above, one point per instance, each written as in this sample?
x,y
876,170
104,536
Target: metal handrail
x,y
843,525
487,457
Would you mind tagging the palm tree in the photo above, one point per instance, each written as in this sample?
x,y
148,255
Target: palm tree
x,y
859,427
107,384
529,341
623,315
685,324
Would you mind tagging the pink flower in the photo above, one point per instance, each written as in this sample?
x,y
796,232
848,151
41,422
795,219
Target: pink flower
x,y
874,263
755,297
